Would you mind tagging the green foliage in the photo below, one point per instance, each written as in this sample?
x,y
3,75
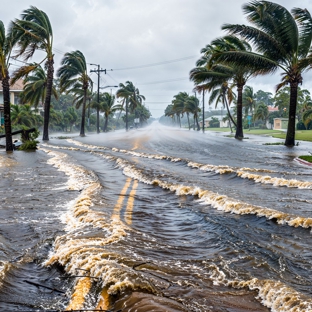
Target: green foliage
x,y
306,158
32,143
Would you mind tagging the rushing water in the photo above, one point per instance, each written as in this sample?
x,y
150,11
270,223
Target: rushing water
x,y
156,219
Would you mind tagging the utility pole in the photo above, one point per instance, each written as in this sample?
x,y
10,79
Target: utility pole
x,y
98,71
203,111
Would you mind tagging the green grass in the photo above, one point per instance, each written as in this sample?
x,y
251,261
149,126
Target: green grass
x,y
306,158
301,135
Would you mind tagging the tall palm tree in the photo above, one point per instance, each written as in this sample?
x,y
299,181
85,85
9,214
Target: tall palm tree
x,y
35,87
282,40
74,79
34,32
6,44
131,97
108,107
218,71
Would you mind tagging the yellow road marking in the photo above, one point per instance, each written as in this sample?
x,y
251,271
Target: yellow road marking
x,y
82,288
117,208
104,300
130,203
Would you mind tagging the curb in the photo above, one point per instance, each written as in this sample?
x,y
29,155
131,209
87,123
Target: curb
x,y
303,162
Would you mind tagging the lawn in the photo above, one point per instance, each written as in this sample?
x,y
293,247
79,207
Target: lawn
x,y
301,135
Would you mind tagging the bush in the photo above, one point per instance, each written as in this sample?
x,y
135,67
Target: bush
x,y
32,143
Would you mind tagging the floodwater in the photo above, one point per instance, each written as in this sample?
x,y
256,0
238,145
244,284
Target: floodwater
x,y
156,219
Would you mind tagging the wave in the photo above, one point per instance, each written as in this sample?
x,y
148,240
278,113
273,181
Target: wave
x,y
217,201
273,294
78,252
244,173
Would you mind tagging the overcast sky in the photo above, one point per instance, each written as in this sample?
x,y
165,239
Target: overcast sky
x,y
153,43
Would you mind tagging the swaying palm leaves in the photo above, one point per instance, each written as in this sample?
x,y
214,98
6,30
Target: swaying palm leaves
x,y
283,41
6,44
23,115
108,107
218,72
192,106
35,86
131,97
34,32
74,79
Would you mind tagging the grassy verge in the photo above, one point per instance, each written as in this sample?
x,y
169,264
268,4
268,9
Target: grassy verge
x,y
301,135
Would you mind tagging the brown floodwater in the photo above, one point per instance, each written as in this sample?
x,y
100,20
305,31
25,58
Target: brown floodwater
x,y
155,219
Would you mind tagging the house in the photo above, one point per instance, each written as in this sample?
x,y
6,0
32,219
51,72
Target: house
x,y
281,123
223,124
15,91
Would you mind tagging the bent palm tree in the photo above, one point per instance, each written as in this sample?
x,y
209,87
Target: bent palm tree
x,y
131,97
34,32
6,44
282,41
74,79
108,107
192,106
219,71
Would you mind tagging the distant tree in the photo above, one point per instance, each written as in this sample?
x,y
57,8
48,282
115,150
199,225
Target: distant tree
x,y
130,96
74,79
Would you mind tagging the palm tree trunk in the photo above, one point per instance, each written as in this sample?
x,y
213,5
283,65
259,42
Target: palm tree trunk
x,y
126,114
239,126
228,110
188,120
291,129
197,123
83,114
7,113
47,102
105,124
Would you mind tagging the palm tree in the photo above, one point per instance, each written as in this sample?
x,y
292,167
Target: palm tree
x,y
74,79
34,32
35,87
192,106
178,102
108,107
224,95
282,41
262,113
22,115
131,97
6,44
219,70
169,112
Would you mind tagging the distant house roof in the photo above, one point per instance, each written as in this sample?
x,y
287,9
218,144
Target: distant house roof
x,y
272,109
216,117
17,86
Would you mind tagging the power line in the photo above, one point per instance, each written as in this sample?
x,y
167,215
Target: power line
x,y
160,63
162,81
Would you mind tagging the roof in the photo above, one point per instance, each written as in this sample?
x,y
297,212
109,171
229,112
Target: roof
x,y
17,86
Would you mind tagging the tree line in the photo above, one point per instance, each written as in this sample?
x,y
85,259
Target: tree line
x,y
276,39
33,32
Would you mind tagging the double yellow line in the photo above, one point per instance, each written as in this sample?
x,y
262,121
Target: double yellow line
x,y
130,203
84,285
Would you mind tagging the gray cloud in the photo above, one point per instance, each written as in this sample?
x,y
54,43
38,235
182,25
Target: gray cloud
x,y
119,34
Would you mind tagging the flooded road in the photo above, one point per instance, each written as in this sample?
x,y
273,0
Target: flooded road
x,y
156,219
